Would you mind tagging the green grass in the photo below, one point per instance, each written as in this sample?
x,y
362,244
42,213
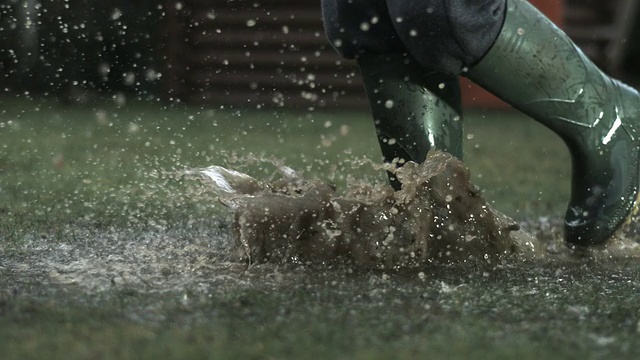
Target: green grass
x,y
70,176
526,312
119,167
109,166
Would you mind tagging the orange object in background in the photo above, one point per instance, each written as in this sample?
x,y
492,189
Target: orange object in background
x,y
475,96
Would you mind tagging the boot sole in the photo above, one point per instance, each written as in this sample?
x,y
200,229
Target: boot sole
x,y
632,217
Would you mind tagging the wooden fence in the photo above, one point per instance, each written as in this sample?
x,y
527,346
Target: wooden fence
x,y
235,54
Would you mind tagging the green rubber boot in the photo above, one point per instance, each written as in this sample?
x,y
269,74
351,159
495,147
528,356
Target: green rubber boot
x,y
414,110
536,68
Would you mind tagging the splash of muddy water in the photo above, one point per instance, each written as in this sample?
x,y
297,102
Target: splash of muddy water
x,y
437,215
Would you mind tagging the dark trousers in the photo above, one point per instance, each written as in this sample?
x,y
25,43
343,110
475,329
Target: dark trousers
x,y
449,36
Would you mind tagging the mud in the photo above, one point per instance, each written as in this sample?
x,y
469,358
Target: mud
x,y
438,215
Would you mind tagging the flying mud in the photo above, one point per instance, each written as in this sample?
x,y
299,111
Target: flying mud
x,y
437,215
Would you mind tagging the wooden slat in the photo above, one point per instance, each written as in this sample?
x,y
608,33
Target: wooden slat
x,y
592,33
263,58
278,79
276,99
625,18
602,28
258,38
288,17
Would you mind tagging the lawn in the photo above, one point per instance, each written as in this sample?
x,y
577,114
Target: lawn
x,y
106,251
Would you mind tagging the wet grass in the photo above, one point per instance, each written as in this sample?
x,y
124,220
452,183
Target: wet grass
x,y
97,168
458,312
108,166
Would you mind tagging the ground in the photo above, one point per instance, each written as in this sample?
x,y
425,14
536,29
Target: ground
x,y
107,252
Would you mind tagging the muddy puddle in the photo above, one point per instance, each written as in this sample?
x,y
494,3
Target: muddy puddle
x,y
278,231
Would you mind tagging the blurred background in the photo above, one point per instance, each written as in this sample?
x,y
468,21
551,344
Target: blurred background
x,y
234,53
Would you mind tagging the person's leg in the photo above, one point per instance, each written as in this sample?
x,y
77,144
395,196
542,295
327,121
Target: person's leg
x,y
536,68
520,56
357,27
414,109
447,35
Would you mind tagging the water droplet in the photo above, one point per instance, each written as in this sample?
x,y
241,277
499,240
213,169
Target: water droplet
x,y
116,14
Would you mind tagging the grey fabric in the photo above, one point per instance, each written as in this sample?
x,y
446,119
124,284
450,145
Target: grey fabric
x,y
444,35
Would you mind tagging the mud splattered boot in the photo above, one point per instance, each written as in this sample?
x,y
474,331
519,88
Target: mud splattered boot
x,y
536,68
414,110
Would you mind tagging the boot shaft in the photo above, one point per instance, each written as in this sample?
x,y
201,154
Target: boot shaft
x,y
414,109
535,67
